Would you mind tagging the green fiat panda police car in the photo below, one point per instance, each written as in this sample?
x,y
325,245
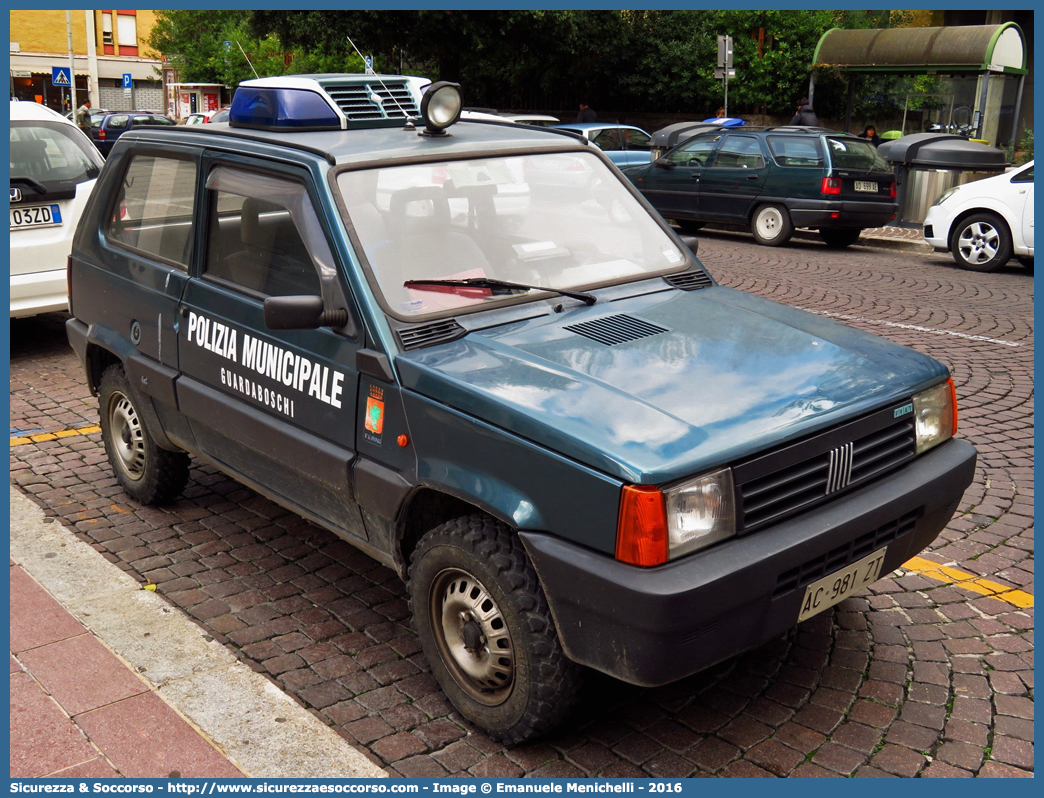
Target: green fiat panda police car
x,y
477,353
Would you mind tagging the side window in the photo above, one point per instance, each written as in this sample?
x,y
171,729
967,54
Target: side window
x,y
607,140
118,122
740,152
254,244
636,140
695,152
795,151
153,210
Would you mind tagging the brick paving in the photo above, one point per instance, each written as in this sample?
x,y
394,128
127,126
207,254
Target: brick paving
x,y
912,678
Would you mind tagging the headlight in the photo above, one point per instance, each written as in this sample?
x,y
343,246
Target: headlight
x,y
945,196
655,526
700,512
935,415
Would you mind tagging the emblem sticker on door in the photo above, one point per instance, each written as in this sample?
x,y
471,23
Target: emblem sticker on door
x,y
374,421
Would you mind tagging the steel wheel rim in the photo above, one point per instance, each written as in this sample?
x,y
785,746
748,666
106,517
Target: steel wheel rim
x,y
472,636
769,223
979,243
126,436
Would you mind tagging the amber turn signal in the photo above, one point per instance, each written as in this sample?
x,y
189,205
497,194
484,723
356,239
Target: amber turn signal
x,y
641,531
953,401
402,440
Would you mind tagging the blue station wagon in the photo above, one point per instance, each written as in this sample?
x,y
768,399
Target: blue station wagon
x,y
535,405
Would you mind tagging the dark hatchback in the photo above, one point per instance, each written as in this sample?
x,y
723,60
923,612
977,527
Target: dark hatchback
x,y
773,180
105,132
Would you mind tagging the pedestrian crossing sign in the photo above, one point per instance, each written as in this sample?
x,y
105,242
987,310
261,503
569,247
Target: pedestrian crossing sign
x,y
60,76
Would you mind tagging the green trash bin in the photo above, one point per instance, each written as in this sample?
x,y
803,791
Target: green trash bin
x,y
892,135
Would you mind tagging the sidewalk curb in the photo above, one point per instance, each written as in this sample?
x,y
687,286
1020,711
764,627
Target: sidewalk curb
x,y
260,728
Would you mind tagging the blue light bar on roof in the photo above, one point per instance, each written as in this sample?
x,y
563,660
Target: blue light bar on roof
x,y
281,109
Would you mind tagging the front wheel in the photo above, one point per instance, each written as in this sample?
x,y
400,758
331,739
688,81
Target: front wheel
x,y
148,474
486,629
981,243
771,225
839,237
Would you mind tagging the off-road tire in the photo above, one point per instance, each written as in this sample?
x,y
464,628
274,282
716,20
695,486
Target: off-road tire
x,y
771,225
981,243
148,474
839,237
544,683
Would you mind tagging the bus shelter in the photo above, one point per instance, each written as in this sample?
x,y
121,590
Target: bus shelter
x,y
967,80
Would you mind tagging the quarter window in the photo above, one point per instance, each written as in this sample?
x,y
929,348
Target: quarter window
x,y
254,244
154,206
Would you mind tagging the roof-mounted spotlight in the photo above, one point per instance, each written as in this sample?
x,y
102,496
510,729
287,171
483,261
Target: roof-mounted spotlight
x,y
440,107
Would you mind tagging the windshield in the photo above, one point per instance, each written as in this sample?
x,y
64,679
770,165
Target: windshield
x,y
555,220
52,153
850,153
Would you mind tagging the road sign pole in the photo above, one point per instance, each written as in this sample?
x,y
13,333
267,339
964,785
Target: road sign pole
x,y
72,66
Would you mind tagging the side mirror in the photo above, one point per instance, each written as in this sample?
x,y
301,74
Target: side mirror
x,y
691,242
663,163
294,312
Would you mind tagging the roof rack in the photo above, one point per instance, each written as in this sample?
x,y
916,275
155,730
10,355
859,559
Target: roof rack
x,y
801,129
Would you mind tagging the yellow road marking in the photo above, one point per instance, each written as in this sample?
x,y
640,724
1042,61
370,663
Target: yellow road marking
x,y
976,584
50,436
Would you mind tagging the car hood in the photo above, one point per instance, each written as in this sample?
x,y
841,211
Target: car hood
x,y
731,375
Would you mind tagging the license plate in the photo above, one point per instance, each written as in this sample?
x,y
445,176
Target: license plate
x,y
831,589
865,185
35,216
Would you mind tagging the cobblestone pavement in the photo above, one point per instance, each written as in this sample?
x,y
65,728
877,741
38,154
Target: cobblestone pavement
x,y
914,677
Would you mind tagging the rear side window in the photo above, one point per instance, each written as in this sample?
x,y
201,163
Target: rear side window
x,y
118,121
850,153
153,211
794,151
51,154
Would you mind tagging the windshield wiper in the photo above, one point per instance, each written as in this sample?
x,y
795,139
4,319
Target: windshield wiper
x,y
493,285
36,185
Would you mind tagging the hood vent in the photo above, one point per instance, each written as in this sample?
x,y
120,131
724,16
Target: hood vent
x,y
436,332
690,280
613,330
369,101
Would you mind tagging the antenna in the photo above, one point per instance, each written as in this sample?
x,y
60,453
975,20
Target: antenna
x,y
390,95
247,59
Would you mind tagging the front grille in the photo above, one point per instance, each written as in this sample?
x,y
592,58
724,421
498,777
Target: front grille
x,y
835,559
781,483
690,280
360,102
436,332
618,329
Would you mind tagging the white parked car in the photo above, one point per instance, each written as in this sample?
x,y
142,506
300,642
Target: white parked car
x,y
53,170
987,222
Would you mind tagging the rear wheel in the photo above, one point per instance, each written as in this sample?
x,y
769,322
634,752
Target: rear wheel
x,y
771,225
839,237
148,474
981,243
487,631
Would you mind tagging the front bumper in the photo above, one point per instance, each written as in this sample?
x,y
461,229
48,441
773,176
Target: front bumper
x,y
651,626
937,228
850,213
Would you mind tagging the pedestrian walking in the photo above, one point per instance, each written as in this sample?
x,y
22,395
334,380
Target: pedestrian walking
x,y
586,114
870,134
805,115
83,117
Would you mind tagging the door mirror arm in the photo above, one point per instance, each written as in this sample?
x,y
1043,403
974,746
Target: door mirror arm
x,y
663,163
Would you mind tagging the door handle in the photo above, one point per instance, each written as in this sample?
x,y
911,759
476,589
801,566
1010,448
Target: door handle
x,y
695,176
753,177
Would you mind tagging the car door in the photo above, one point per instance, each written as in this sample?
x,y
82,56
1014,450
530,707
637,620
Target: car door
x,y
637,145
672,184
1022,185
277,407
733,180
